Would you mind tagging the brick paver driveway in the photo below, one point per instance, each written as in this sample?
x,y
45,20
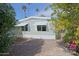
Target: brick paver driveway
x,y
38,47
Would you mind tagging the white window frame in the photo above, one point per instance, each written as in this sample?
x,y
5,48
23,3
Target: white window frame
x,y
41,28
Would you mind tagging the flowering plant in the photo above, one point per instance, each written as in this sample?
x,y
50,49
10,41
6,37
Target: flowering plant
x,y
73,45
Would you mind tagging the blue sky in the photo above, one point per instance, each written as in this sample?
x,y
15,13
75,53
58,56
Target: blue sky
x,y
20,14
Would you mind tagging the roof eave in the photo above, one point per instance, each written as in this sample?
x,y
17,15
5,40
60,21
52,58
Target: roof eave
x,y
34,17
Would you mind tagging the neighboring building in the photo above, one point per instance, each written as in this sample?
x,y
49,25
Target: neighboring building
x,y
35,27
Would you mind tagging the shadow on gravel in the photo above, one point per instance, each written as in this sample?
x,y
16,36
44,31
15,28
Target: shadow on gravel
x,y
28,48
61,45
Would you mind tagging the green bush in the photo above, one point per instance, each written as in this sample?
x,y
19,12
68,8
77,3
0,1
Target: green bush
x,y
7,22
78,42
66,38
69,35
6,40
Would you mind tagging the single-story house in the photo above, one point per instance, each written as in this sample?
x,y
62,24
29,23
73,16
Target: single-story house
x,y
36,27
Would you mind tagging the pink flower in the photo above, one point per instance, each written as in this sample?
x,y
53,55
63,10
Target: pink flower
x,y
72,46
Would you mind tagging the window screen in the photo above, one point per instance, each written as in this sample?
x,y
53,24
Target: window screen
x,y
41,27
26,27
22,27
44,28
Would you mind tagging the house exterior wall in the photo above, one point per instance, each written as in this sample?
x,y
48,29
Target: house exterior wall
x,y
33,33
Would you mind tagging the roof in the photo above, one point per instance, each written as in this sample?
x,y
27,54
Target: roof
x,y
21,24
35,17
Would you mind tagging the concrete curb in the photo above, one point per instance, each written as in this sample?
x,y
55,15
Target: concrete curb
x,y
4,54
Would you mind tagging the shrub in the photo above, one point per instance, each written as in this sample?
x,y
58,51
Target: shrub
x,y
7,21
77,50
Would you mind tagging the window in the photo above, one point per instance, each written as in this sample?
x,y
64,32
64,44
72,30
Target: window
x,y
26,27
41,27
22,27
44,28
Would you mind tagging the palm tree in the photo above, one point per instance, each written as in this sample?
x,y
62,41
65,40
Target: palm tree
x,y
37,10
24,9
46,8
29,8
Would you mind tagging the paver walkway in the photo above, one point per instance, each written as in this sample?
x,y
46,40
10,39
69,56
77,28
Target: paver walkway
x,y
39,47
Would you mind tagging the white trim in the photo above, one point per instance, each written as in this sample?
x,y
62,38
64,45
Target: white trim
x,y
21,24
35,17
